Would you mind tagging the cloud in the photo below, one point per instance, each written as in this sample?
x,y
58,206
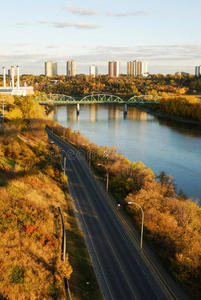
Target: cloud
x,y
23,23
170,52
21,45
81,11
70,24
43,22
174,52
129,14
77,25
52,47
89,12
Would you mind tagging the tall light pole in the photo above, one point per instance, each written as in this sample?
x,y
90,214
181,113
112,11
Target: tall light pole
x,y
89,155
107,175
142,221
3,112
64,165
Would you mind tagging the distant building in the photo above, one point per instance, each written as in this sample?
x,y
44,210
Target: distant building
x,y
197,70
114,68
181,73
70,68
93,71
50,68
136,68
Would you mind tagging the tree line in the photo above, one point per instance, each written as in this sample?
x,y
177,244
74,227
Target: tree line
x,y
84,84
185,107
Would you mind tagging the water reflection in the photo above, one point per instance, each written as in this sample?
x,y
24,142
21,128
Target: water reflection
x,y
161,144
191,130
93,113
71,113
136,114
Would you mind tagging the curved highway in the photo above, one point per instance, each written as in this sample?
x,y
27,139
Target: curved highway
x,y
120,266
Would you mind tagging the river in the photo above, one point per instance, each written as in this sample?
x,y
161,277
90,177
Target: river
x,y
161,144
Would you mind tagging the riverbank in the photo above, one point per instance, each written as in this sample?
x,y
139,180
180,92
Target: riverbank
x,y
167,116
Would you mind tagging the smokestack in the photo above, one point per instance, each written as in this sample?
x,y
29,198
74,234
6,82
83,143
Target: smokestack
x,y
4,78
12,74
18,78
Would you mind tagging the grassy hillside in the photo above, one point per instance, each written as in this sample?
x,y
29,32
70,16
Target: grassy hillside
x,y
32,187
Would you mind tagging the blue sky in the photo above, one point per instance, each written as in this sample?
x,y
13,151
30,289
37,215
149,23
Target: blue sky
x,y
166,34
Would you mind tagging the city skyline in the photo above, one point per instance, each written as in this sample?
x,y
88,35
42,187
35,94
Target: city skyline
x,y
163,34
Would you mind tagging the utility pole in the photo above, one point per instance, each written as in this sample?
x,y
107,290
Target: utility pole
x,y
2,114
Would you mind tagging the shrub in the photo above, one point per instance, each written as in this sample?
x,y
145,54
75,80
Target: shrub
x,y
17,275
53,291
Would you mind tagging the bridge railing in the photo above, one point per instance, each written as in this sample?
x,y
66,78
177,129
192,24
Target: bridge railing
x,y
101,98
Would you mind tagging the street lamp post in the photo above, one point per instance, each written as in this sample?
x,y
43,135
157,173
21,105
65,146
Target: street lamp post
x,y
89,156
142,221
64,165
107,175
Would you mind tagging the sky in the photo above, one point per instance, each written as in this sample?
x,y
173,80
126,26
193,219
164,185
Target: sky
x,y
164,33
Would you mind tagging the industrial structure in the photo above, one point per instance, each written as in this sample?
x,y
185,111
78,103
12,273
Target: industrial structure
x,y
10,71
136,68
12,89
114,68
50,68
70,68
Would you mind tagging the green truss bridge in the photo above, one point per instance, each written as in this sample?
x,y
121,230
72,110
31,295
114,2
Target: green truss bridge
x,y
95,99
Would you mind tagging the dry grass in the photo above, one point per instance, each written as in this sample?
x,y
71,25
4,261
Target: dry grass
x,y
32,187
26,206
31,190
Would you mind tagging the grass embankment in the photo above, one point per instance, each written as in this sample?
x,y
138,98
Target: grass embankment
x,y
32,187
172,222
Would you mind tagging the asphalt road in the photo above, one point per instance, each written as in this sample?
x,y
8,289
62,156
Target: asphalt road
x,y
120,266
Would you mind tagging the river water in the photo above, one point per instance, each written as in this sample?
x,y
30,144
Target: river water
x,y
161,144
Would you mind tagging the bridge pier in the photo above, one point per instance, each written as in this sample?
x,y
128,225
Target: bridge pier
x,y
125,109
78,109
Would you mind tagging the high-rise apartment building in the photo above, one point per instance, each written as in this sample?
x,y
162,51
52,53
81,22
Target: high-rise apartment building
x,y
50,68
70,68
93,71
114,68
197,70
136,68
